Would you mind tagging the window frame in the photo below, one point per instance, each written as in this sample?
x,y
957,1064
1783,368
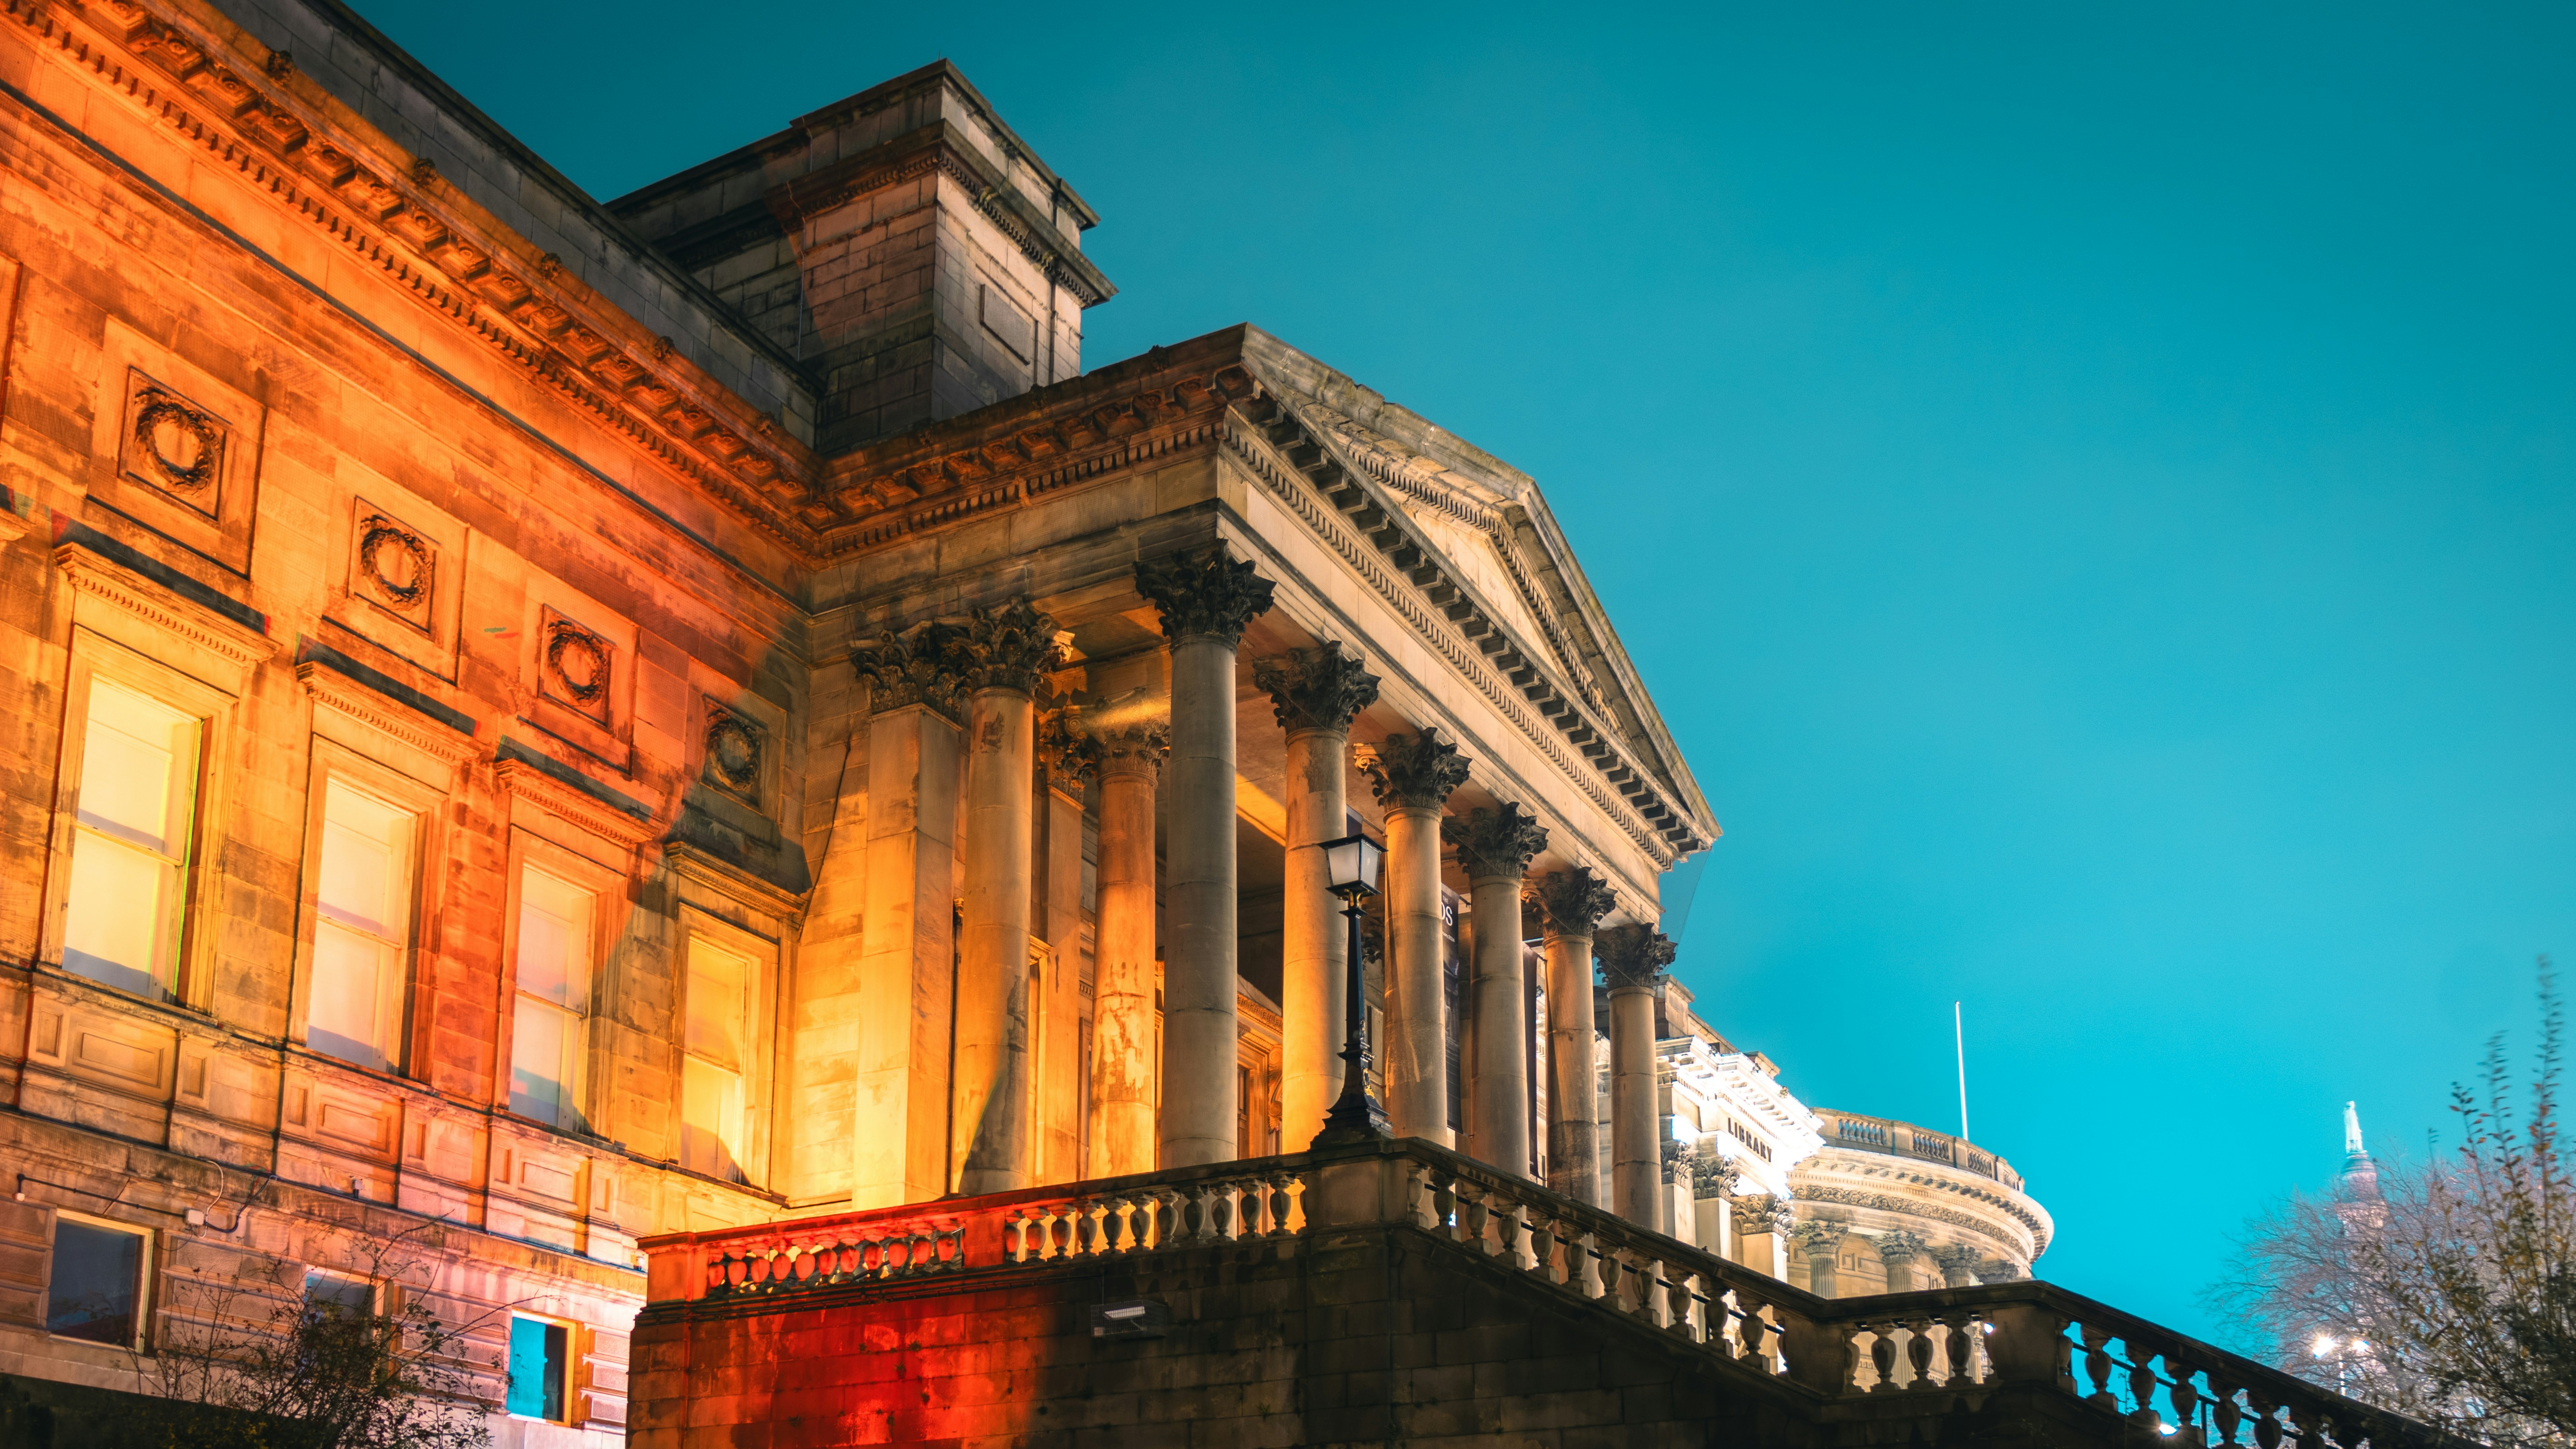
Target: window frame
x,y
576,1398
424,804
761,955
96,656
147,1262
607,887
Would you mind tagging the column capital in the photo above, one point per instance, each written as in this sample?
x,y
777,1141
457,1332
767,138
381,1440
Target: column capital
x,y
1316,689
1632,955
1006,647
1496,843
1415,771
1131,749
1896,1245
1207,595
1955,1258
1070,756
1714,1175
920,667
1760,1213
1681,1161
1573,901
1819,1238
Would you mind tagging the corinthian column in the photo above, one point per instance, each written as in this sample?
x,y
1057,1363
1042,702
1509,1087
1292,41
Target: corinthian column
x,y
1632,961
1003,651
1413,775
1205,602
899,1143
1124,1138
1315,692
1573,903
1494,848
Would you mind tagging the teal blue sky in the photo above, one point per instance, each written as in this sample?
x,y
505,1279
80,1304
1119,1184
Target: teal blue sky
x,y
2088,486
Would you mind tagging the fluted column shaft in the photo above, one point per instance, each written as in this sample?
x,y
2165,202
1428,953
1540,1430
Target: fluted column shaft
x,y
1636,1157
1315,693
1124,1136
1573,1139
990,1128
1205,603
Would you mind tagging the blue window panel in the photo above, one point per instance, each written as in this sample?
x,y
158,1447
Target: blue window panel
x,y
97,1273
537,1353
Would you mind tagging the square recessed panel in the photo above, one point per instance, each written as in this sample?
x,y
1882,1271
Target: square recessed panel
x,y
394,568
576,666
173,444
736,754
176,447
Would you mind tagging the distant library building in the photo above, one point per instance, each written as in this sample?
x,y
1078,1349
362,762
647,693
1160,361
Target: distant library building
x,y
683,762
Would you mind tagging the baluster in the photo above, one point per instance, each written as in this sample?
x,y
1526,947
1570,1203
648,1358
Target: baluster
x,y
2185,1401
1222,1217
1444,1205
1918,1352
2311,1427
1961,1369
1583,1264
1471,1214
1648,1275
1882,1355
1509,1220
2267,1421
1608,1263
1753,1330
1677,1300
2223,1415
1283,1201
2142,1380
2097,1367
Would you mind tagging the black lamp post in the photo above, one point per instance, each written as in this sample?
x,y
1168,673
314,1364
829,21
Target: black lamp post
x,y
1350,871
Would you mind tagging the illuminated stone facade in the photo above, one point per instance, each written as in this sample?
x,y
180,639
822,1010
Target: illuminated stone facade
x,y
540,724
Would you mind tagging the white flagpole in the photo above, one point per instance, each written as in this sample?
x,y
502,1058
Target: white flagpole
x,y
1959,1039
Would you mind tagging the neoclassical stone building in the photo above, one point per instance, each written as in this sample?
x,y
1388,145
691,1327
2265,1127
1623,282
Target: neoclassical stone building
x,y
537,725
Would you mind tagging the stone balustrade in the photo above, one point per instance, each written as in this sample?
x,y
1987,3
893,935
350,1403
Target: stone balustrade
x,y
1904,1139
1878,1359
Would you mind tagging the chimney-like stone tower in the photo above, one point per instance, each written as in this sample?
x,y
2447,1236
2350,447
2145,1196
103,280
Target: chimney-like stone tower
x,y
904,244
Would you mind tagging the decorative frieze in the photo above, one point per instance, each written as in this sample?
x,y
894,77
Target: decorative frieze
x,y
1632,955
920,667
1415,771
1574,901
1009,647
1494,842
1204,596
1316,689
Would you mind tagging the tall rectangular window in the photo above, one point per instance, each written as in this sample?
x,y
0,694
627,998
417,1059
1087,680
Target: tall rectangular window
x,y
717,1012
130,839
540,1362
96,1290
362,928
554,963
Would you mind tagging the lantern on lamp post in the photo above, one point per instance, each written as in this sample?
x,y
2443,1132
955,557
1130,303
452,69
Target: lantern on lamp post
x,y
1350,871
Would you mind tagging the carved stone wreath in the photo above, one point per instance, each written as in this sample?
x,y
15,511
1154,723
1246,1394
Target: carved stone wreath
x,y
577,664
398,564
733,753
177,446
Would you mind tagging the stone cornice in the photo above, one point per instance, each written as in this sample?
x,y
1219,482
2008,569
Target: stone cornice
x,y
1296,456
524,781
1593,763
392,214
1815,1175
725,878
1076,431
1904,1207
330,687
161,607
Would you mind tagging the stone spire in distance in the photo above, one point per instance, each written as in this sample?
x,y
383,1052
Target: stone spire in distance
x,y
2359,1181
